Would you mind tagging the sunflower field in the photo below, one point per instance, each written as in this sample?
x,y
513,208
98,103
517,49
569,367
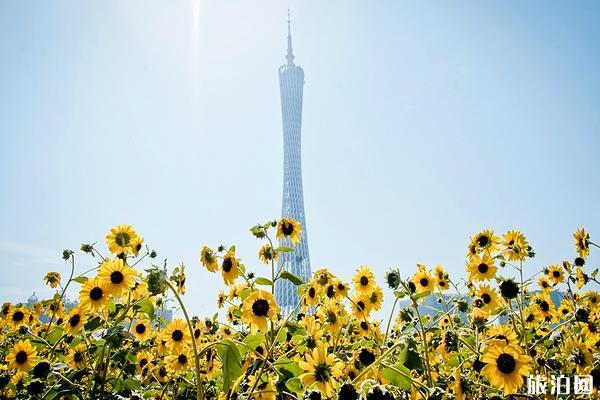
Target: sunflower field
x,y
480,337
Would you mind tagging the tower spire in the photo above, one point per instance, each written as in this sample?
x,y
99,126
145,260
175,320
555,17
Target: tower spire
x,y
290,56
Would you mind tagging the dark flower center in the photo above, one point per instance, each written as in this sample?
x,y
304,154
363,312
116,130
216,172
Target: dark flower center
x,y
331,317
116,277
287,228
509,289
364,280
322,372
482,268
347,392
312,292
544,306
486,298
21,357
482,241
227,264
74,320
330,291
96,293
366,357
260,307
177,335
18,316
140,328
424,282
579,261
41,370
364,325
360,305
182,359
143,362
78,357
197,333
556,274
122,239
506,363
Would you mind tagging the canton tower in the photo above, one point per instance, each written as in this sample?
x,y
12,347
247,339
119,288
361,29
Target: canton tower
x,y
291,82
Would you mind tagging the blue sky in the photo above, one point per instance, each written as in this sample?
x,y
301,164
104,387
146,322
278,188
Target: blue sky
x,y
423,123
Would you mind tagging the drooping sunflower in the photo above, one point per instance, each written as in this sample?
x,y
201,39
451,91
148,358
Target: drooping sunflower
x,y
94,294
515,246
578,353
136,245
556,274
141,329
117,276
52,279
176,335
22,356
364,280
179,362
581,278
582,243
423,281
289,228
481,268
208,259
229,268
76,321
121,238
257,308
321,370
221,299
18,317
489,297
505,367
264,388
267,254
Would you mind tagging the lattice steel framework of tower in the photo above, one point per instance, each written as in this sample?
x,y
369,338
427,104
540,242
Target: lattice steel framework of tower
x,y
291,83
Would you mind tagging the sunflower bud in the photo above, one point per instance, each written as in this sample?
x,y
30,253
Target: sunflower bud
x,y
87,248
157,280
67,254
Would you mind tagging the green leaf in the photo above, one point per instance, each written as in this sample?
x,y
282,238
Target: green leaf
x,y
81,279
413,361
263,281
421,295
399,294
231,361
284,249
111,307
548,343
53,336
396,378
284,363
146,307
294,385
292,278
252,341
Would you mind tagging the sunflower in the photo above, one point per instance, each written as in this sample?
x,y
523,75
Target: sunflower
x,y
180,362
117,276
18,317
505,367
289,228
515,246
481,268
441,278
331,316
143,362
556,274
341,289
364,280
52,279
545,284
501,335
229,268
311,296
177,334
361,307
22,356
489,297
321,370
486,241
578,353
376,298
221,299
208,259
94,294
582,278
423,281
76,356
257,307
121,238
76,321
136,245
141,329
267,254
264,388
582,243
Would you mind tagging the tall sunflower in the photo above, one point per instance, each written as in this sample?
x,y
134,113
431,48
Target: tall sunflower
x,y
76,357
489,297
267,254
121,238
321,370
486,241
141,329
582,242
22,356
180,361
17,317
481,268
229,268
423,281
289,228
177,334
94,294
556,274
117,276
578,353
364,280
505,367
515,246
208,259
257,308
